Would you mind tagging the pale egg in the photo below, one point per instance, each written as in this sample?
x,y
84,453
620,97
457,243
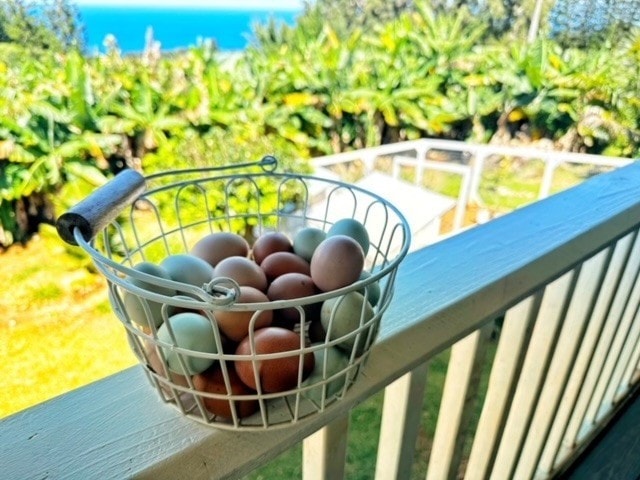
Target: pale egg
x,y
191,331
329,361
243,271
217,246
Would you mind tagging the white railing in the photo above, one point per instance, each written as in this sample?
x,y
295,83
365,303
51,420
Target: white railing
x,y
562,272
416,155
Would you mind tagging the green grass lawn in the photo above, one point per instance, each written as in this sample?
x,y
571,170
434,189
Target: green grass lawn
x,y
57,330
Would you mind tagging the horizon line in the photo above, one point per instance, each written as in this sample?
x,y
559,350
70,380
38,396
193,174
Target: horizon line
x,y
204,4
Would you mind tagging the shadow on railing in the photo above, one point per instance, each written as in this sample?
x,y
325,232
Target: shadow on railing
x,y
542,301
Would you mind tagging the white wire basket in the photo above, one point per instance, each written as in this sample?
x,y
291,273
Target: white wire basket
x,y
282,370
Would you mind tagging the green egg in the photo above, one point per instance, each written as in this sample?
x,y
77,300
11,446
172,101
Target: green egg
x,y
351,228
343,315
192,331
188,269
306,241
336,361
155,270
134,304
372,289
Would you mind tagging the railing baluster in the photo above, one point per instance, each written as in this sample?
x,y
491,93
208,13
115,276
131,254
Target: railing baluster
x,y
620,287
324,453
512,346
630,342
401,413
533,373
459,394
607,265
581,305
631,372
598,406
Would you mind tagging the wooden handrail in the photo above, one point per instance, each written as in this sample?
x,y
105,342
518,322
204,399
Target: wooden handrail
x,y
119,428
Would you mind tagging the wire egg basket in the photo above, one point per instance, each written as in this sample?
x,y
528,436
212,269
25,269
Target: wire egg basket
x,y
312,360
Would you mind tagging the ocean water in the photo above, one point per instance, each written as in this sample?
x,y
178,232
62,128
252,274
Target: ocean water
x,y
174,27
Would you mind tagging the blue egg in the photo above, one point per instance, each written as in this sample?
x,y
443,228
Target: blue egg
x,y
306,241
351,228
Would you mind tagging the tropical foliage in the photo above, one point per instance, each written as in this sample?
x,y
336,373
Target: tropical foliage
x,y
68,121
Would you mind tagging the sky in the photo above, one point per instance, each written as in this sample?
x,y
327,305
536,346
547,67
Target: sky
x,y
235,4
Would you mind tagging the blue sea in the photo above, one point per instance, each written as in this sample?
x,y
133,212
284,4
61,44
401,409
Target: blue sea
x,y
174,27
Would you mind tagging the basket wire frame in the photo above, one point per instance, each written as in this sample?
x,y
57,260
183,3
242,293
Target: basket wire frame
x,y
177,209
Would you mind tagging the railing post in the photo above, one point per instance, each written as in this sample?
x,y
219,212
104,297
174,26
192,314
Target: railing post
x,y
463,201
421,156
550,165
477,167
533,374
369,161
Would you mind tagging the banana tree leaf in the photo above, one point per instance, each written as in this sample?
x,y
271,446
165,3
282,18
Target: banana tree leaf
x,y
86,172
115,124
50,112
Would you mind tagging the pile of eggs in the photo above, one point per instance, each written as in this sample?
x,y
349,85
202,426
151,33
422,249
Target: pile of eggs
x,y
276,267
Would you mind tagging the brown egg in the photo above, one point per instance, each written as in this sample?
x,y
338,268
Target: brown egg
x,y
268,243
212,381
279,263
243,271
277,374
288,287
220,245
336,263
235,324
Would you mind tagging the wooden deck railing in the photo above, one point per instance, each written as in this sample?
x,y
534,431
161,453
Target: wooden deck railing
x,y
562,274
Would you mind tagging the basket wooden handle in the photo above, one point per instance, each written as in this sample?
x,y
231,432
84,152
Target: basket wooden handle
x,y
96,211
